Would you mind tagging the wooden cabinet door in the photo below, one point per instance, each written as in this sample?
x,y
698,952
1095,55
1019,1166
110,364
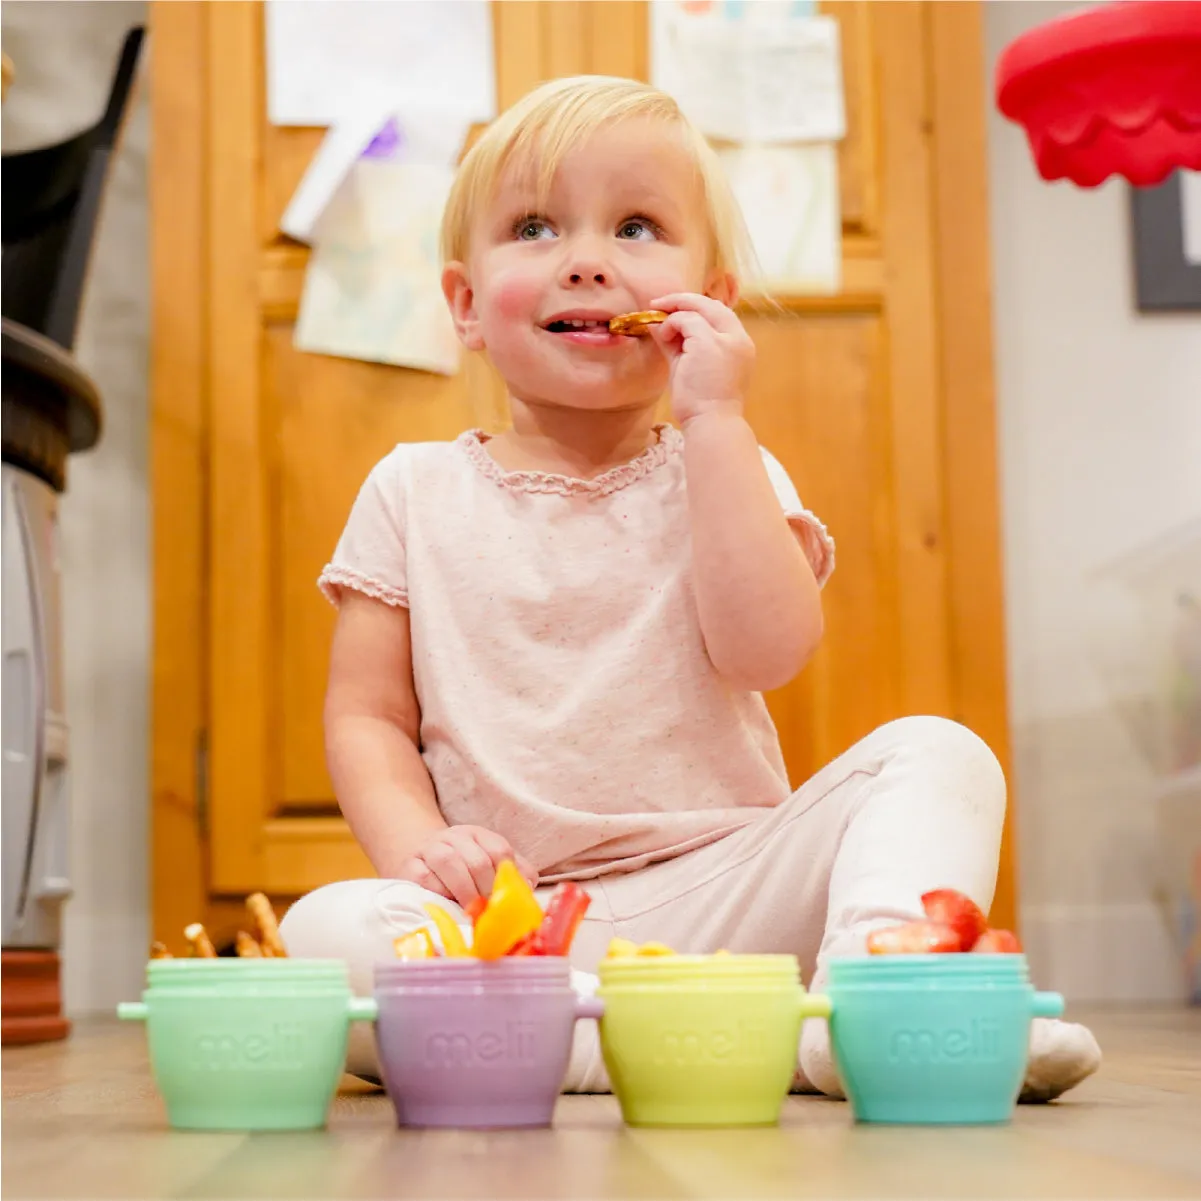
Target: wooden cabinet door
x,y
860,395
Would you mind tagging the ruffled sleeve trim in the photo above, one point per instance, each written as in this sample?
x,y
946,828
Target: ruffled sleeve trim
x,y
815,541
334,580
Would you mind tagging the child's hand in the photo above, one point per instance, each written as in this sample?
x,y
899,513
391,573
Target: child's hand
x,y
710,353
460,863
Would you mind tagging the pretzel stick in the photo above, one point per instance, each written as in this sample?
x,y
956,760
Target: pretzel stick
x,y
264,918
158,950
248,947
201,944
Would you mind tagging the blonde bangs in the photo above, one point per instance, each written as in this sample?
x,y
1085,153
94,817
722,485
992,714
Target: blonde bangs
x,y
536,134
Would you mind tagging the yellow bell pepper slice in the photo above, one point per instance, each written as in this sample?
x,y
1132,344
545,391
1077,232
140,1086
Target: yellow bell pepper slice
x,y
454,946
621,948
418,945
649,949
513,913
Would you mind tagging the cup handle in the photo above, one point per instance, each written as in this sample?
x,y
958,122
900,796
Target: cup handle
x,y
363,1009
816,1005
132,1011
589,1007
1047,1005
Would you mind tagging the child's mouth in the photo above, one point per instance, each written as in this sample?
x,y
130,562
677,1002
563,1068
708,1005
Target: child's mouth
x,y
583,331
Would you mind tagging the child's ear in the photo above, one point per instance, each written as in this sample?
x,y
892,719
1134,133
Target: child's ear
x,y
722,286
456,287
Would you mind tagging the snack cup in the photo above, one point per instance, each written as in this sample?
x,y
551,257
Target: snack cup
x,y
703,1040
934,1039
247,1044
474,1044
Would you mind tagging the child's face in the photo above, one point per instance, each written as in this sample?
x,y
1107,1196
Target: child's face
x,y
624,224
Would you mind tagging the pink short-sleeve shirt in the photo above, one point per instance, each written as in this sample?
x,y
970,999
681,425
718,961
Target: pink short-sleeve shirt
x,y
567,700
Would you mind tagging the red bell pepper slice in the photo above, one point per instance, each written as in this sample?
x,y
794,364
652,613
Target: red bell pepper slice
x,y
475,908
529,945
564,912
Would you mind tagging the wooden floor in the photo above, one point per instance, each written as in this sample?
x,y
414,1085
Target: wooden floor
x,y
81,1119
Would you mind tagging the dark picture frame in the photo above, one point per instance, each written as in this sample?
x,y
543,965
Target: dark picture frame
x,y
1165,280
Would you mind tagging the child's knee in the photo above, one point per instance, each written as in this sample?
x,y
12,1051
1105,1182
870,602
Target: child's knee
x,y
960,758
355,920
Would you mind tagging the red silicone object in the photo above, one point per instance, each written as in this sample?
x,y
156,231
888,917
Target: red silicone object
x,y
1113,90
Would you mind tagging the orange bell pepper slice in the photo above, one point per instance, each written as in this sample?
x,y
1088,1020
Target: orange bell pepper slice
x,y
418,945
513,913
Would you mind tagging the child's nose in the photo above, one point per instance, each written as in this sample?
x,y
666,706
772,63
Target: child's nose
x,y
585,261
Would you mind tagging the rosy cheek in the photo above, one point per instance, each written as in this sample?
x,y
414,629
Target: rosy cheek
x,y
515,297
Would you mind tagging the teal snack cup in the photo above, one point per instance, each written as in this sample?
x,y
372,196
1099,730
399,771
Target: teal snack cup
x,y
247,1044
703,1040
934,1039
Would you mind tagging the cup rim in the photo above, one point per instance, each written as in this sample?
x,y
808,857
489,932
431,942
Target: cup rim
x,y
928,969
229,968
702,971
467,967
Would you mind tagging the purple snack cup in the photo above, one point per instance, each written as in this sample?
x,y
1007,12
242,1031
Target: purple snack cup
x,y
475,1044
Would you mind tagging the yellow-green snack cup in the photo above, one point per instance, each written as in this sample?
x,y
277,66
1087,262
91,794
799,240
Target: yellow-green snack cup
x,y
703,1040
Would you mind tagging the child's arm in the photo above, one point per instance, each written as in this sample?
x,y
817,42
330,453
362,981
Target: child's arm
x,y
372,723
759,603
758,600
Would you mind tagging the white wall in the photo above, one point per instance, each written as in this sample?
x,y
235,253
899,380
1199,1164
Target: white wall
x,y
1100,433
65,55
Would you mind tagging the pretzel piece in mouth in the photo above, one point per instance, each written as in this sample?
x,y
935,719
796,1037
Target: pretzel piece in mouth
x,y
636,325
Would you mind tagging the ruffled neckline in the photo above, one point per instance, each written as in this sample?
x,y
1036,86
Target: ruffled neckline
x,y
616,478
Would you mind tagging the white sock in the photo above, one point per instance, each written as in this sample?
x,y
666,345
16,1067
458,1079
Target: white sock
x,y
1061,1055
586,1070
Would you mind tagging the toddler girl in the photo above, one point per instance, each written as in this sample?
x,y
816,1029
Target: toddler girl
x,y
551,643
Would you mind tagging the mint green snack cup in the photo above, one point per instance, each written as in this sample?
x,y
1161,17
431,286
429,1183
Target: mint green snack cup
x,y
247,1044
934,1039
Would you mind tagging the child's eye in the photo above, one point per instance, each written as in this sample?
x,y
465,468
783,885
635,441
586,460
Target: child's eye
x,y
532,229
637,229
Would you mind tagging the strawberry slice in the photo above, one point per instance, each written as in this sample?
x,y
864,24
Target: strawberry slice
x,y
998,942
913,938
962,914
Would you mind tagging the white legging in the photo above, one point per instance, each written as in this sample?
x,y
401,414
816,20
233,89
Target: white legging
x,y
916,805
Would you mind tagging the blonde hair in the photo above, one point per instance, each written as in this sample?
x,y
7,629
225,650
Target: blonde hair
x,y
544,125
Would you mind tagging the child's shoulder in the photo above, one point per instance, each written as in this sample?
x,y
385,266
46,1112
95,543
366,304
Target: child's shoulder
x,y
406,458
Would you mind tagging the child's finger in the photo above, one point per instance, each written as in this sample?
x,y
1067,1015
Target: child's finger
x,y
667,338
416,872
479,864
458,886
494,845
685,324
527,870
448,865
719,316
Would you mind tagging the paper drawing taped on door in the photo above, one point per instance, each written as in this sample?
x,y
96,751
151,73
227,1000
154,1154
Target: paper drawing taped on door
x,y
373,286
